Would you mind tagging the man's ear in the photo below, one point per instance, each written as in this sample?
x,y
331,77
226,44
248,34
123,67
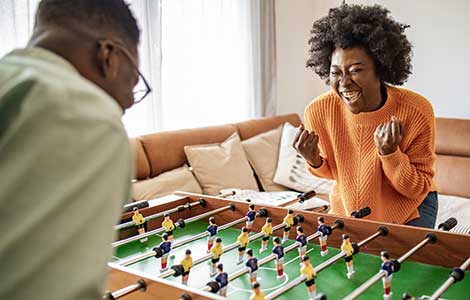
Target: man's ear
x,y
107,59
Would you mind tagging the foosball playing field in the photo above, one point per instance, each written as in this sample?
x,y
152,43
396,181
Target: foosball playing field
x,y
422,269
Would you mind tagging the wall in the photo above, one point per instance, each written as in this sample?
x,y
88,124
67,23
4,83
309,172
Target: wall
x,y
437,32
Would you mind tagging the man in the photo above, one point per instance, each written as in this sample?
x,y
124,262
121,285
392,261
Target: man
x,y
65,165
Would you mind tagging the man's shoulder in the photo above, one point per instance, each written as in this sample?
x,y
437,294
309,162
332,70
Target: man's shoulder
x,y
54,88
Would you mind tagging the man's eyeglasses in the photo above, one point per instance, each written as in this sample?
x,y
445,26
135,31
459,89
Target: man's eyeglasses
x,y
140,92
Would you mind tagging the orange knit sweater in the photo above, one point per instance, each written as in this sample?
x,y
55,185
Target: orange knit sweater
x,y
394,185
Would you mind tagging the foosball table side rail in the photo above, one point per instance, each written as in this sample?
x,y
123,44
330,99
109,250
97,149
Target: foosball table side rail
x,y
120,277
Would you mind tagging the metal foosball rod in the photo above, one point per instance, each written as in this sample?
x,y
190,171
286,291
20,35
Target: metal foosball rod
x,y
212,287
145,203
225,249
180,223
456,275
301,198
178,243
179,208
381,231
140,285
429,239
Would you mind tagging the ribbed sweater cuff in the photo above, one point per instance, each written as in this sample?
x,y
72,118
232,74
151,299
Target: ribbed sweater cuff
x,y
322,171
392,160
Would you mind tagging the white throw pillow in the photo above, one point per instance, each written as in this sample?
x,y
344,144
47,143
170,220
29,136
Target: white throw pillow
x,y
292,169
219,166
457,207
262,152
179,179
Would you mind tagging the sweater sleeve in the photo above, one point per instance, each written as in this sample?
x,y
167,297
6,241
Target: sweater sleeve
x,y
411,171
312,122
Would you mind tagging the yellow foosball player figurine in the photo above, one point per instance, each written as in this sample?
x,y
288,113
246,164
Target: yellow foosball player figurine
x,y
310,274
187,263
347,247
243,240
169,226
139,221
257,294
268,231
217,250
288,221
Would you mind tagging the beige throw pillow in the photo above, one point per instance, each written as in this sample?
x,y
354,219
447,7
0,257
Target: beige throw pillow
x,y
262,151
219,166
180,179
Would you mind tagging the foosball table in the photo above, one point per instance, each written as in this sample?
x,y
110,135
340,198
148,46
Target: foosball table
x,y
163,253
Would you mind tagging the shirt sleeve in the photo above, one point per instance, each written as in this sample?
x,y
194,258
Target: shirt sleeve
x,y
411,171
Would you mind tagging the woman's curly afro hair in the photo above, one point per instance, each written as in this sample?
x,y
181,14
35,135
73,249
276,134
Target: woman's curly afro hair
x,y
349,26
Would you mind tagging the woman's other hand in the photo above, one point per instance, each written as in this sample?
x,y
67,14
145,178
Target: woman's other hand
x,y
387,136
306,144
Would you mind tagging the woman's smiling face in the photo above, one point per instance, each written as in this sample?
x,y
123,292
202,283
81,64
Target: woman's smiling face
x,y
354,79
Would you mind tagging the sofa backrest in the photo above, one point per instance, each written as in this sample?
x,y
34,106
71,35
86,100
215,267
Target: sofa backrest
x,y
163,151
453,156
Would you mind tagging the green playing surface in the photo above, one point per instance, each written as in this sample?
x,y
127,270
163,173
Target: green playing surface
x,y
415,278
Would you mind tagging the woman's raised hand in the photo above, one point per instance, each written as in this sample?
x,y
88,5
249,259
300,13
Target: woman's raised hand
x,y
306,144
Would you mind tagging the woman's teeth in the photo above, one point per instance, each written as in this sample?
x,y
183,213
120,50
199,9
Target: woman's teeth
x,y
351,96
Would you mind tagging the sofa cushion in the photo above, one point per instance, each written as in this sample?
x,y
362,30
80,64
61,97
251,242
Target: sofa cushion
x,y
262,151
292,169
165,150
219,166
179,179
142,167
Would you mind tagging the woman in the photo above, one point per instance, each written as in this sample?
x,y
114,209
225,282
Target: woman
x,y
376,140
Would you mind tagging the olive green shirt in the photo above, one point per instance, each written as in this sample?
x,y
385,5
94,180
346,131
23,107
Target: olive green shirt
x,y
65,171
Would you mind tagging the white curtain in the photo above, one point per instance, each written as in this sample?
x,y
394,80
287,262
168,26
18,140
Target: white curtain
x,y
16,22
208,61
